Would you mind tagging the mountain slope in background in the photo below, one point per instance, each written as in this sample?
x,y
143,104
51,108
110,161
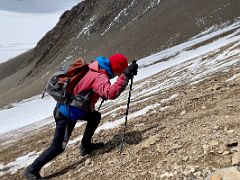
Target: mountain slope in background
x,y
91,28
183,120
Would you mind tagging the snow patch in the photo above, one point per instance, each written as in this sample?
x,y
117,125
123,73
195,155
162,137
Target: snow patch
x,y
19,163
114,124
75,140
116,19
26,112
86,28
233,78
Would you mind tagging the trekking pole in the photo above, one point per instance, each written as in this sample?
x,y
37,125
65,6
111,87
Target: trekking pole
x,y
99,107
125,124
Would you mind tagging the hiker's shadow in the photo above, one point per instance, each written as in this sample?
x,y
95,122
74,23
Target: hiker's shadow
x,y
133,137
130,138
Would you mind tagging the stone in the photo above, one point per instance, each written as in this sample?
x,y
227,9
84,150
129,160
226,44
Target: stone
x,y
175,173
166,175
183,112
236,158
230,173
205,148
216,177
192,170
230,131
87,162
226,153
221,149
213,143
231,176
185,158
197,174
216,87
235,149
150,141
176,147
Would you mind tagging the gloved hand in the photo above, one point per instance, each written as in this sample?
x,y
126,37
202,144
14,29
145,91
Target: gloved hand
x,y
131,70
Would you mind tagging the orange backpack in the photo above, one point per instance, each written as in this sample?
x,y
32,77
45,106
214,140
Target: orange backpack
x,y
61,84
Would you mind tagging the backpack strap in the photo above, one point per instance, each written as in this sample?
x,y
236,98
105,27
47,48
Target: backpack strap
x,y
64,89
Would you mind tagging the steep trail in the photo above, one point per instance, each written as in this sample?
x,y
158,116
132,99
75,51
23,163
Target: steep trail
x,y
181,120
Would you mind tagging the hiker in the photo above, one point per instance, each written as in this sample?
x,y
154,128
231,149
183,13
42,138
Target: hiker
x,y
95,83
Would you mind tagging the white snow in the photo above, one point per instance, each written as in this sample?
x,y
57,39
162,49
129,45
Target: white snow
x,y
174,96
75,140
114,124
87,27
19,163
181,53
116,19
26,112
24,23
152,5
234,77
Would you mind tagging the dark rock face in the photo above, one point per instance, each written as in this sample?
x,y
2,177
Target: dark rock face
x,y
136,28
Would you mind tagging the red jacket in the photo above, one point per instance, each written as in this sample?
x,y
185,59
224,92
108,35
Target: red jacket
x,y
98,81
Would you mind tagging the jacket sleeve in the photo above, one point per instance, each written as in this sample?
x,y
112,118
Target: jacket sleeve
x,y
104,88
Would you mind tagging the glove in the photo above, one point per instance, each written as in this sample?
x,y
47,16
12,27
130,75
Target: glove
x,y
131,70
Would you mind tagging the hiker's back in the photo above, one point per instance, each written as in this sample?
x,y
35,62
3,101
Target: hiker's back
x,y
88,82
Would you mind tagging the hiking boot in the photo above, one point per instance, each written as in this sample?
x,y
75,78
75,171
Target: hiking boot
x,y
31,175
87,149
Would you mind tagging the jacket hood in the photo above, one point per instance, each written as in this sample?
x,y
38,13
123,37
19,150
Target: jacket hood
x,y
105,64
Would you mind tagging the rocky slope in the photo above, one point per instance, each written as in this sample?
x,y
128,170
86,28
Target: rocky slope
x,y
136,28
183,123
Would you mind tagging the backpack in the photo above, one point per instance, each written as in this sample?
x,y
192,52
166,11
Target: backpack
x,y
62,83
